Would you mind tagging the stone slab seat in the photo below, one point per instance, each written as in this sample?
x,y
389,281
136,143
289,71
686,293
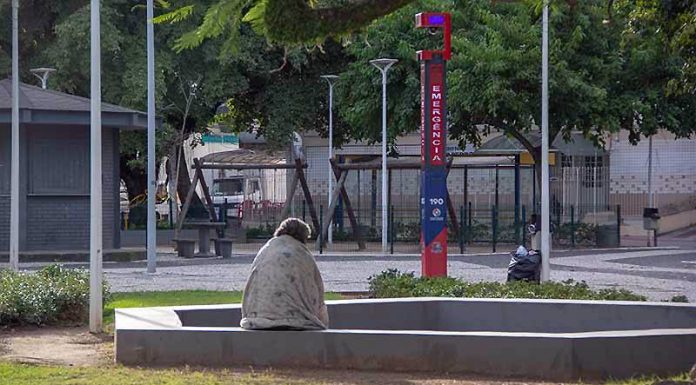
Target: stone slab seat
x,y
185,247
541,339
223,247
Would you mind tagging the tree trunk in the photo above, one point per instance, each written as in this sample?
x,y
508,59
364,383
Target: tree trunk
x,y
171,186
135,179
184,180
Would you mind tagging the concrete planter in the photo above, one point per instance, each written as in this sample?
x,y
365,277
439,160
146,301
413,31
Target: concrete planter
x,y
545,339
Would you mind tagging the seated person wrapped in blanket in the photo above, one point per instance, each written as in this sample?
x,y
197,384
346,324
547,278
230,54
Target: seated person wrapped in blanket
x,y
285,290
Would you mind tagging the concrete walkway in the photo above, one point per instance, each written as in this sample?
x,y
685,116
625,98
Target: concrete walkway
x,y
659,273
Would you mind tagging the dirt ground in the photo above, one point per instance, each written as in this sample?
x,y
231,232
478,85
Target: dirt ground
x,y
78,347
55,346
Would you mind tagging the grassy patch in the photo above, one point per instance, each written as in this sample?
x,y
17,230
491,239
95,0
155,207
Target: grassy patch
x,y
175,298
20,374
649,380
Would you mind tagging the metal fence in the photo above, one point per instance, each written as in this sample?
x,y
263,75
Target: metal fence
x,y
492,205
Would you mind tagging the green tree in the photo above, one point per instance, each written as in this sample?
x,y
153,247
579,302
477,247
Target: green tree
x,y
494,76
671,26
280,21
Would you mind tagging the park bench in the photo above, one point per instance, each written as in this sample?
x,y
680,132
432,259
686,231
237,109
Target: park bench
x,y
185,247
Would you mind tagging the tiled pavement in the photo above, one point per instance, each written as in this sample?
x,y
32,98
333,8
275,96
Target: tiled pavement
x,y
658,273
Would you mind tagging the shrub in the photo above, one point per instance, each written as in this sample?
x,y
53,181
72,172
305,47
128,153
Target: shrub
x,y
262,232
53,295
393,283
679,298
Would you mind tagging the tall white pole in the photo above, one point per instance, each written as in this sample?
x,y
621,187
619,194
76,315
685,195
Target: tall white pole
x,y
385,173
330,79
383,65
95,225
14,173
651,196
151,172
330,234
545,214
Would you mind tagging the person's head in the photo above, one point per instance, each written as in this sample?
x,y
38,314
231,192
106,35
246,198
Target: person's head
x,y
295,228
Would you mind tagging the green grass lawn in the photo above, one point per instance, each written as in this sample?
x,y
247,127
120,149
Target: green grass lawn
x,y
175,298
21,374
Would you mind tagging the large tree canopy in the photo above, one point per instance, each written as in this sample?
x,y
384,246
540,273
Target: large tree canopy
x,y
671,24
494,75
280,21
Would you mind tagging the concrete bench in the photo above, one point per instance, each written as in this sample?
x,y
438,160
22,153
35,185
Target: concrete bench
x,y
223,247
185,247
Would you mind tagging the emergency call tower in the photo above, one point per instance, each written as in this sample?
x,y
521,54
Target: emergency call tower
x,y
433,201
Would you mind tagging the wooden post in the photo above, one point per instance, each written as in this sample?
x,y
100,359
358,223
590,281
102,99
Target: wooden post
x,y
206,192
307,194
326,221
291,195
187,203
349,208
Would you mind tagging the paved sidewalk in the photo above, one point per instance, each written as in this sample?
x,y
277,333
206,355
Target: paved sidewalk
x,y
658,273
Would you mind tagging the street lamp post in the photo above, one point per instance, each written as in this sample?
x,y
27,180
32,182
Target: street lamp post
x,y
545,214
95,225
14,172
383,66
42,74
151,174
330,79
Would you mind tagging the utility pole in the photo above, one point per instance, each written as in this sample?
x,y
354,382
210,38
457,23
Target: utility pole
x,y
151,154
330,79
383,66
95,225
545,210
14,172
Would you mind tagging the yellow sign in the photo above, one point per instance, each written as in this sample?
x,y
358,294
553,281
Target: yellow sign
x,y
526,158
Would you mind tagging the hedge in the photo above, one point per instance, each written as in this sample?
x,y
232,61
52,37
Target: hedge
x,y
53,295
393,283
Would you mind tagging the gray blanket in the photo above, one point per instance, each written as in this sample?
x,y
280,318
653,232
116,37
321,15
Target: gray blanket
x,y
285,289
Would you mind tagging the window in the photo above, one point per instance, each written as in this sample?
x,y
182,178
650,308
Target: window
x,y
594,171
228,187
59,161
566,161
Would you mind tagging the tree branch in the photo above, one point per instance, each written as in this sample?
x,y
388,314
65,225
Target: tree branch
x,y
295,21
285,61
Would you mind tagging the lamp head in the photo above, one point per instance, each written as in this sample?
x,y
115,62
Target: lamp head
x,y
383,64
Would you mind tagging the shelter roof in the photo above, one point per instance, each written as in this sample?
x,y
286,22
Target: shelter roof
x,y
245,157
414,162
44,106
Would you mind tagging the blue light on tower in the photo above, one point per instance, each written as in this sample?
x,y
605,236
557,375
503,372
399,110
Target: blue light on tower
x,y
436,19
